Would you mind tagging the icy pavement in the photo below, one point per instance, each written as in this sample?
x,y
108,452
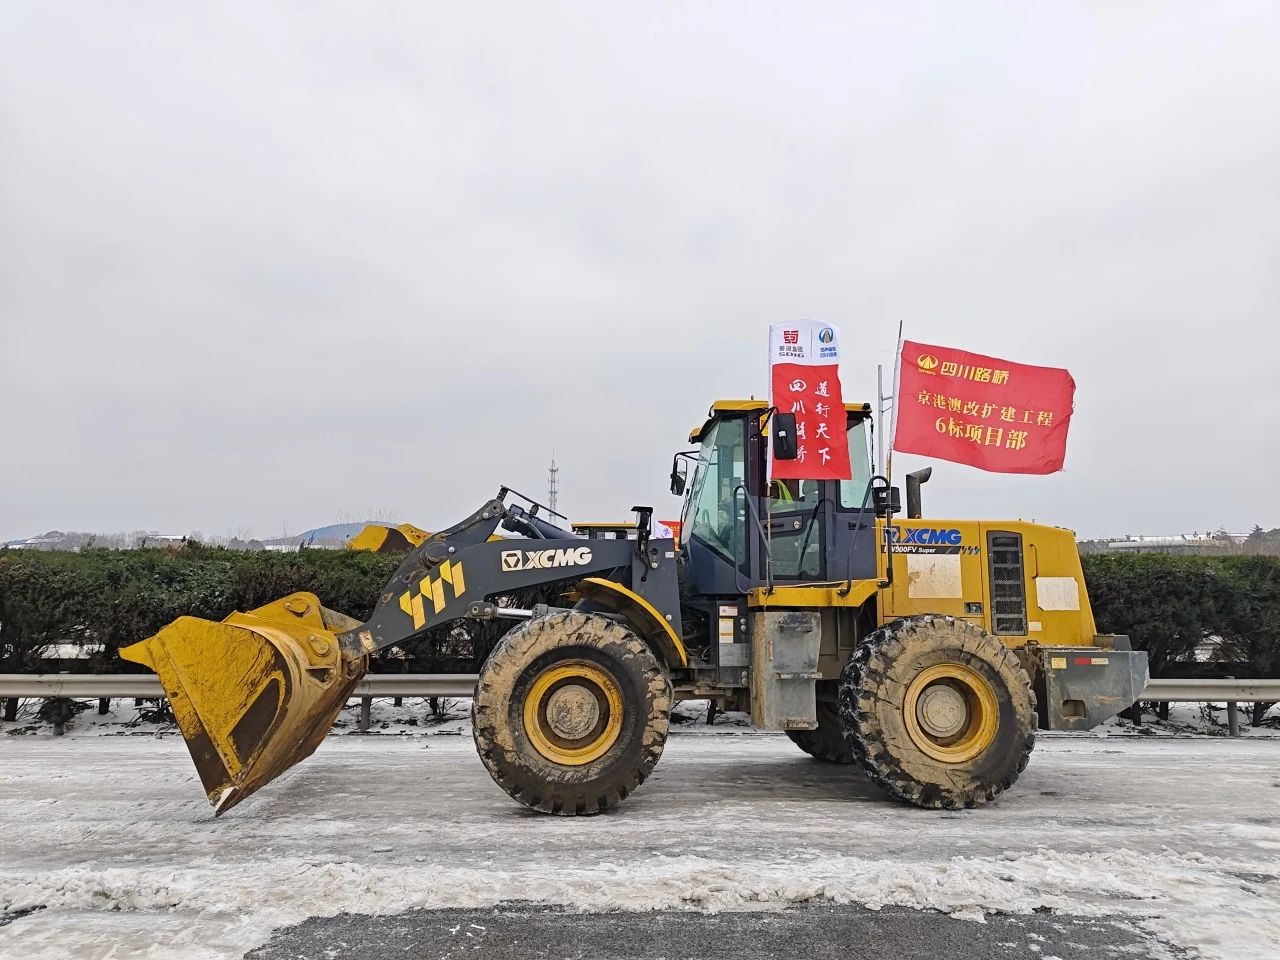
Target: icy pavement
x,y
802,931
109,840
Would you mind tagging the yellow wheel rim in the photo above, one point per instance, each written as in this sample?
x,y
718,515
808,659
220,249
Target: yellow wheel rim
x,y
573,713
950,712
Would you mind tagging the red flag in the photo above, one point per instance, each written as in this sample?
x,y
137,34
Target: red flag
x,y
988,413
804,365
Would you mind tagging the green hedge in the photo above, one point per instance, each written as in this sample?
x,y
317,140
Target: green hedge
x,y
1169,604
116,597
1166,604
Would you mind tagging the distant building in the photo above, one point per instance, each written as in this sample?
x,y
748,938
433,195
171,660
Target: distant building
x,y
47,542
336,536
1219,542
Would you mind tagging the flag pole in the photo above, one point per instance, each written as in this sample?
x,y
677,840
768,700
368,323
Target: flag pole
x,y
897,365
879,424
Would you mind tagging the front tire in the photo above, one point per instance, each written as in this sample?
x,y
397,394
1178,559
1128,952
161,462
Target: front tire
x,y
570,713
938,712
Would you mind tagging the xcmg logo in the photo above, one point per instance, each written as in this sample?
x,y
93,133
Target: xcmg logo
x,y
513,560
926,536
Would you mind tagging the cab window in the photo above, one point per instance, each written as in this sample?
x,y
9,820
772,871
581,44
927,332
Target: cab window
x,y
783,493
710,510
854,490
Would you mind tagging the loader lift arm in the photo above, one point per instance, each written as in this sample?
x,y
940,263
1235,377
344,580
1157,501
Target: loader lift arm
x,y
452,573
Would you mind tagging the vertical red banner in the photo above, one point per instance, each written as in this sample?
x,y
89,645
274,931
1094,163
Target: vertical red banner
x,y
804,375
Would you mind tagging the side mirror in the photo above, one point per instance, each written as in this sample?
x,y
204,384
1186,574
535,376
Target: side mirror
x,y
886,500
677,476
784,436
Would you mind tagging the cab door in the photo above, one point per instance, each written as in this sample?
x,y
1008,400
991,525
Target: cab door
x,y
714,527
796,518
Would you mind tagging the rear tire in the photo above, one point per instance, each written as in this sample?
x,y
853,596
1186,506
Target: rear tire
x,y
827,742
570,713
938,712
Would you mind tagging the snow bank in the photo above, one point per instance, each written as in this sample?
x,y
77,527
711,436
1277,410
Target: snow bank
x,y
1189,899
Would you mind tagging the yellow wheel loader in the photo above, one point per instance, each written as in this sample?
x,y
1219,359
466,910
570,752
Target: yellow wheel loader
x,y
927,651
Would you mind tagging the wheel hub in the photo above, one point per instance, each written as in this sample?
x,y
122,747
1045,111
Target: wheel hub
x,y
941,710
572,712
950,712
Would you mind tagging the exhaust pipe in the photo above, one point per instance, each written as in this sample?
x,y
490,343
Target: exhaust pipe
x,y
915,480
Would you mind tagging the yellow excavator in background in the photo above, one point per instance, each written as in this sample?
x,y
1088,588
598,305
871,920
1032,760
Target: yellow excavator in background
x,y
928,651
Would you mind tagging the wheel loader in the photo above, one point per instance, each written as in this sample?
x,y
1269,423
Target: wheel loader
x,y
927,651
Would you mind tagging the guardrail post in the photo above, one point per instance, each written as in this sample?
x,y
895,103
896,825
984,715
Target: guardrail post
x,y
1233,716
365,704
104,706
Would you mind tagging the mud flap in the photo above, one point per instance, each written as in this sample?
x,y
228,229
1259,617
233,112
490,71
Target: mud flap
x,y
254,694
784,669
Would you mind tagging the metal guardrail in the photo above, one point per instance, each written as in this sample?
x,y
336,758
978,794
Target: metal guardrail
x,y
91,685
107,686
1212,691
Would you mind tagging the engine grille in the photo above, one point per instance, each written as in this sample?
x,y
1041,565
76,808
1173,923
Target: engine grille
x,y
1008,589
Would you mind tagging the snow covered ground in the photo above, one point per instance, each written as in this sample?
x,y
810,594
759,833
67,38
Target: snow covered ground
x,y
109,840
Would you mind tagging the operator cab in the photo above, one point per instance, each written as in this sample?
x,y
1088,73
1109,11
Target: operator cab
x,y
740,531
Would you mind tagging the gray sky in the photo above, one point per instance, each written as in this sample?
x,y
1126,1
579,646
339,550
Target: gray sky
x,y
266,265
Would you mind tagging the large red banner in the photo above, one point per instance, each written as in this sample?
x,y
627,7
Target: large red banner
x,y
988,413
804,365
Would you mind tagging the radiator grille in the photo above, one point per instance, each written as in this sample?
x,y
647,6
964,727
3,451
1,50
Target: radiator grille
x,y
1008,590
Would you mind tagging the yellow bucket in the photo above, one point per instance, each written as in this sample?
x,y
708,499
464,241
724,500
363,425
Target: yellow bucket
x,y
256,693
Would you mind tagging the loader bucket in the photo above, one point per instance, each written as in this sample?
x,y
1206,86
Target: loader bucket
x,y
254,694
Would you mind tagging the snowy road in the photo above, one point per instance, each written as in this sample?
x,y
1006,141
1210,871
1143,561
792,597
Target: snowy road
x,y
110,842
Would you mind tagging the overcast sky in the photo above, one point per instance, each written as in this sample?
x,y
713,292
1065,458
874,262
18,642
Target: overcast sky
x,y
268,265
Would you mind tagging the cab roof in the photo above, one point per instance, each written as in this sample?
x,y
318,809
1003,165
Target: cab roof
x,y
722,407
